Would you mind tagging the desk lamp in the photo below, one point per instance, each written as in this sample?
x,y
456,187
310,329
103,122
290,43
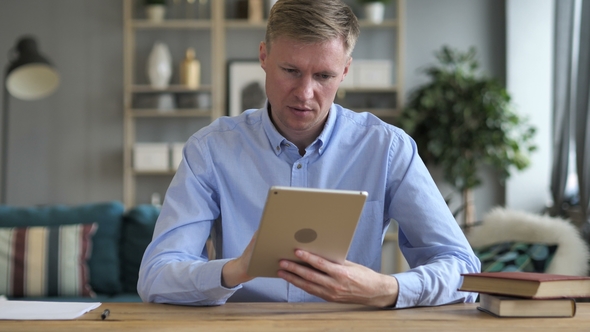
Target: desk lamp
x,y
28,76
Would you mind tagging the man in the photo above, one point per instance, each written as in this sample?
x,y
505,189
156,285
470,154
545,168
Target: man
x,y
302,139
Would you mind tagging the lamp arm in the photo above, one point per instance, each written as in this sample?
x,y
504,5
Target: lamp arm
x,y
4,162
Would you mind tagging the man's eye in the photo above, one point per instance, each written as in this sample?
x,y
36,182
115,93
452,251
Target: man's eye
x,y
289,70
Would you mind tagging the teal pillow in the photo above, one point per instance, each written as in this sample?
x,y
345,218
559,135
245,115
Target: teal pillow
x,y
104,261
136,234
515,256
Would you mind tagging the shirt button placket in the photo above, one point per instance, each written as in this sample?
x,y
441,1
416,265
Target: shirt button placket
x,y
299,174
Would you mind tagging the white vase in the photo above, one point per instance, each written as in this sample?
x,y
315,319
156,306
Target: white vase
x,y
159,66
374,12
155,13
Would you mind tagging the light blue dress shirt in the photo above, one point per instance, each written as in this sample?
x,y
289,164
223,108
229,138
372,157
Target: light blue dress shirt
x,y
223,180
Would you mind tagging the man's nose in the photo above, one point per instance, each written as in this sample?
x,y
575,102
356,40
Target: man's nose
x,y
304,89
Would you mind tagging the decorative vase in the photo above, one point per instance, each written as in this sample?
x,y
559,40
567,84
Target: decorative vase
x,y
374,12
190,70
155,13
159,66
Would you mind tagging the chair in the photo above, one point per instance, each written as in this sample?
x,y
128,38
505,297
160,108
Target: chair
x,y
503,225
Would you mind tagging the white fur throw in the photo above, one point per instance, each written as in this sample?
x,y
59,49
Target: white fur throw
x,y
501,225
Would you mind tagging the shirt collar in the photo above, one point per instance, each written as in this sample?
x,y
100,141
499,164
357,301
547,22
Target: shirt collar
x,y
276,140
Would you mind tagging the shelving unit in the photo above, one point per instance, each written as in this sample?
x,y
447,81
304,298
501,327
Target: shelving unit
x,y
139,35
214,33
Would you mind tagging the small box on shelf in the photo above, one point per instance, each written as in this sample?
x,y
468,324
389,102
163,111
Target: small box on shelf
x,y
367,74
151,157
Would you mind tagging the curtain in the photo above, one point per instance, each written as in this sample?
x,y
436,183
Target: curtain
x,y
582,108
571,99
561,99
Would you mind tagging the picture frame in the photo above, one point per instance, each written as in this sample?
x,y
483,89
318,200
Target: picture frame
x,y
245,86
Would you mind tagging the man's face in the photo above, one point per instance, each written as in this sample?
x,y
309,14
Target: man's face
x,y
301,82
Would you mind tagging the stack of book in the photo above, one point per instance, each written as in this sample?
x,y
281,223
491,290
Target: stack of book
x,y
527,294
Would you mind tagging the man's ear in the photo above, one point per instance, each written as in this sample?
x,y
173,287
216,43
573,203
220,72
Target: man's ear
x,y
346,68
262,54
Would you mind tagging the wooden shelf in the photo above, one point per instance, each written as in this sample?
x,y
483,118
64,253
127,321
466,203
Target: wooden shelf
x,y
174,88
388,23
172,24
153,173
175,113
244,24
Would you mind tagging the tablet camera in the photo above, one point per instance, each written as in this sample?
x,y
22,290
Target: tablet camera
x,y
306,235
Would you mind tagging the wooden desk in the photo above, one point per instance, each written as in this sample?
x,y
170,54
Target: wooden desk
x,y
299,317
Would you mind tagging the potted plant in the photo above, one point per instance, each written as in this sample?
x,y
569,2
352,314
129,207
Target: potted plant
x,y
461,120
374,9
155,10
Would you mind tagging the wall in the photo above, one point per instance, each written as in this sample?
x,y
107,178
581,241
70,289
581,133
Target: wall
x,y
67,148
529,79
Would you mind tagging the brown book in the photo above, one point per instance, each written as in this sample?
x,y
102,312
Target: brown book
x,y
527,284
508,306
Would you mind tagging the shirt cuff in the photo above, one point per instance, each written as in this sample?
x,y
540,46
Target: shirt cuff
x,y
211,282
409,289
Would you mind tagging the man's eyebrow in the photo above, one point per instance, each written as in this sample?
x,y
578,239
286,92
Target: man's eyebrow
x,y
287,64
328,72
321,72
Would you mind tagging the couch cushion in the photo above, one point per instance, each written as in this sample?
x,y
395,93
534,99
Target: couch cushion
x,y
104,261
137,232
46,261
515,256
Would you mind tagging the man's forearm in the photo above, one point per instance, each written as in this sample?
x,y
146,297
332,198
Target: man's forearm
x,y
390,291
233,274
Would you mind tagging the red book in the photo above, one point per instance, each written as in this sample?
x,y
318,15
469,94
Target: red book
x,y
527,284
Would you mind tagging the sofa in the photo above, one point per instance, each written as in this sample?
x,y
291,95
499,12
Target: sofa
x,y
89,252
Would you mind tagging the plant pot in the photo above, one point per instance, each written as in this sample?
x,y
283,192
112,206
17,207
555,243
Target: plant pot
x,y
374,12
155,13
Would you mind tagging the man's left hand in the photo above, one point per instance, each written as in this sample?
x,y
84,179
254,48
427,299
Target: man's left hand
x,y
346,283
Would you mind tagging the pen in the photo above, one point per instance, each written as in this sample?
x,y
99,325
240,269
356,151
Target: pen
x,y
105,314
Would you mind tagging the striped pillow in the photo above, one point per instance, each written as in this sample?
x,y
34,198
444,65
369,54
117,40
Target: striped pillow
x,y
46,261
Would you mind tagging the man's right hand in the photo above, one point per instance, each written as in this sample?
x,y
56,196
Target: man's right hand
x,y
234,272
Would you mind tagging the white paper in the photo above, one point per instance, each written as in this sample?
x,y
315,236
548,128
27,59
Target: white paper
x,y
44,310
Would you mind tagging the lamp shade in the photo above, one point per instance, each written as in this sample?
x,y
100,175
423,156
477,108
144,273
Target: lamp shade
x,y
29,75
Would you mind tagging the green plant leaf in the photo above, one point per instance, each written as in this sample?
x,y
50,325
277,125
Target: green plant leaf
x,y
462,119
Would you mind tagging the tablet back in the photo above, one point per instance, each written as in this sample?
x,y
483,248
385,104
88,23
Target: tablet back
x,y
320,221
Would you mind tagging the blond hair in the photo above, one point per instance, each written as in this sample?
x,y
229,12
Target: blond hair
x,y
313,21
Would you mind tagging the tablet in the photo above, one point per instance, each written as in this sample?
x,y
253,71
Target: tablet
x,y
321,221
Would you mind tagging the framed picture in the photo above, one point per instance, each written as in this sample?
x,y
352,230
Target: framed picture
x,y
245,86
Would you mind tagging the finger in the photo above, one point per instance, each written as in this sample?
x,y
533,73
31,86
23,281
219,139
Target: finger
x,y
308,286
301,270
318,263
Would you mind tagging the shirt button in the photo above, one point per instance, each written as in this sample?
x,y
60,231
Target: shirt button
x,y
299,166
278,148
287,145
